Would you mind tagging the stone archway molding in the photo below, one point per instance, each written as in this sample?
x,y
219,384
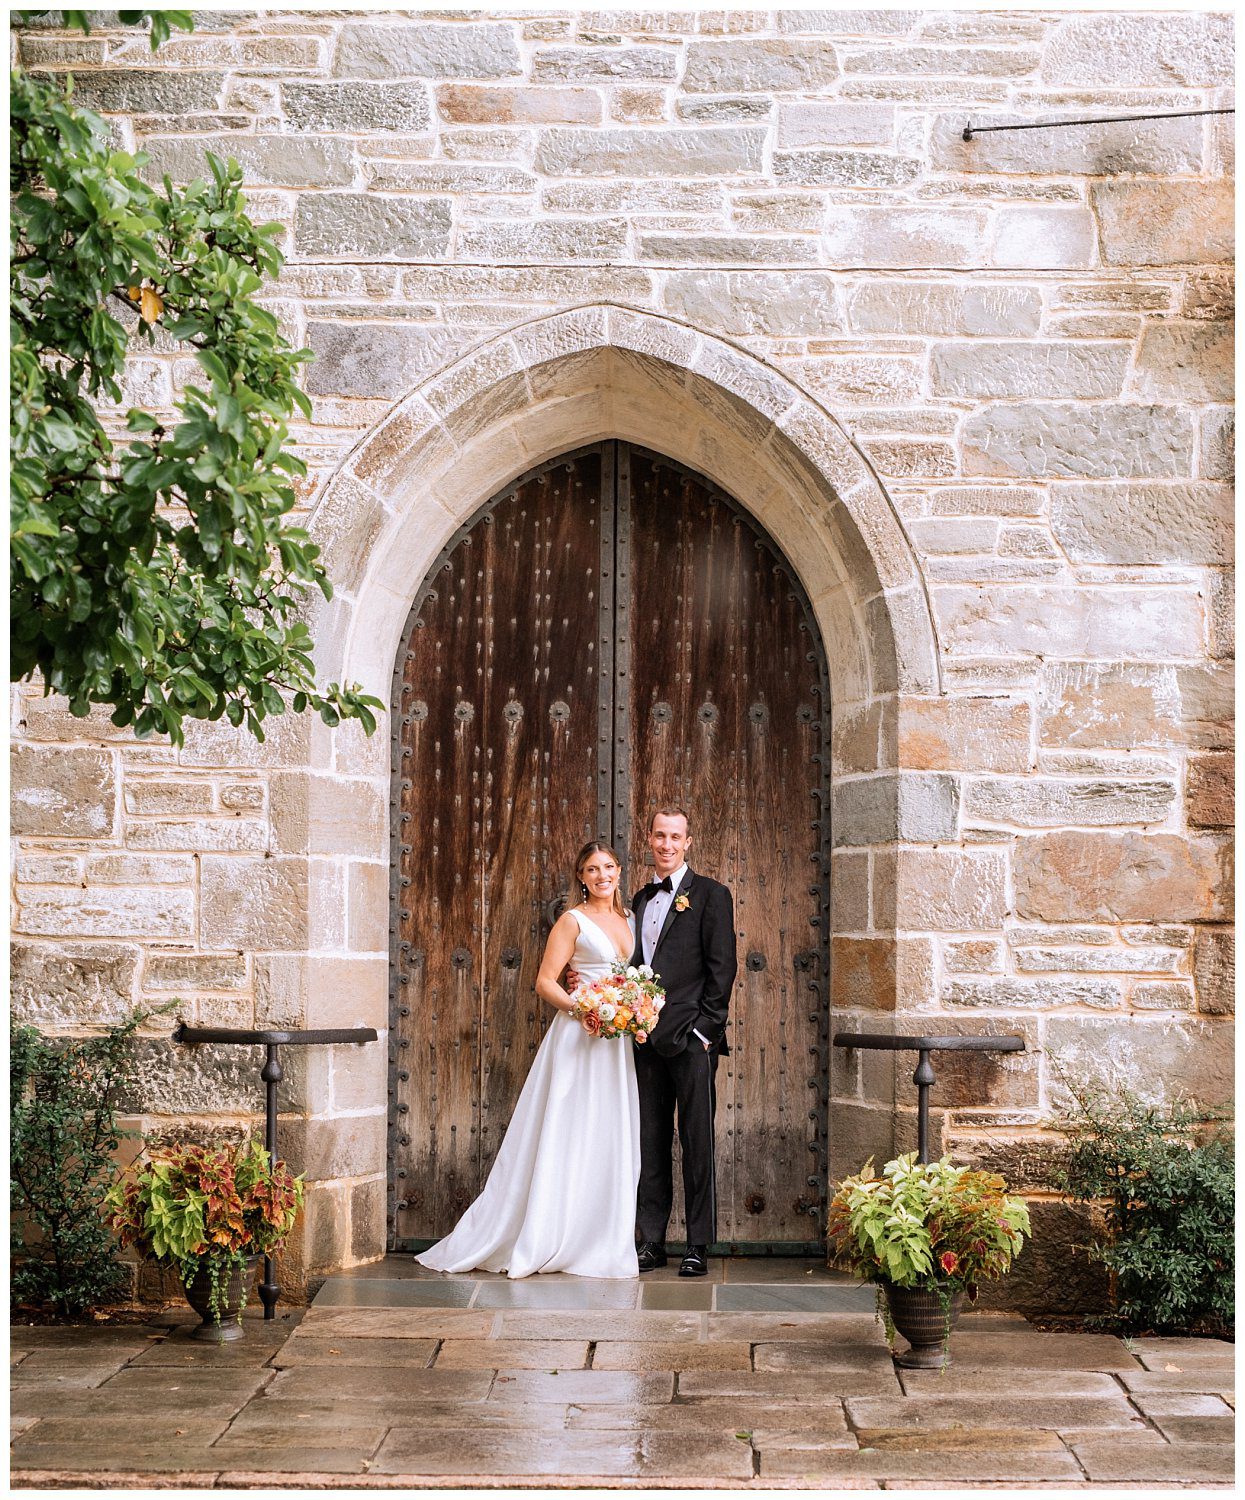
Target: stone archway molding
x,y
606,370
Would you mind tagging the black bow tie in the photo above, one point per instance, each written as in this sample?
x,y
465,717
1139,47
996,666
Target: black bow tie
x,y
654,886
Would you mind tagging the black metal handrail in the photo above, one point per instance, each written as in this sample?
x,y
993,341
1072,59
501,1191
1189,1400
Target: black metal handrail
x,y
923,1077
272,1074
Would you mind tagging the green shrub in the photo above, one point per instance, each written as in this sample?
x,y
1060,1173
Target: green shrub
x,y
63,1134
1166,1178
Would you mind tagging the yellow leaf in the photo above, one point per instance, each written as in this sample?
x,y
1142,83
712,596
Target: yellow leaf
x,y
151,305
133,291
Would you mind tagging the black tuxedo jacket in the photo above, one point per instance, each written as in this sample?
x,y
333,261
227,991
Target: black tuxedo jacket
x,y
695,963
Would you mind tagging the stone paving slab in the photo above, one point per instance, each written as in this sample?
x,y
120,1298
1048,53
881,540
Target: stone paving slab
x,y
583,1387
677,1296
756,1328
536,1293
361,1383
402,1322
818,1298
602,1325
954,1381
272,1411
1198,1429
1037,1351
1209,1382
938,1467
782,1386
803,1354
310,1349
1189,1463
654,1355
513,1354
393,1291
733,1413
260,1457
1057,1413
1180,1404
1196,1363
572,1454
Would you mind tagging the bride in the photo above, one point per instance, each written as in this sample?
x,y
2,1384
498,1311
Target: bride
x,y
561,1195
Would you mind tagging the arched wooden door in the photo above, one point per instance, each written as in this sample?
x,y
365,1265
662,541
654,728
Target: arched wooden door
x,y
609,632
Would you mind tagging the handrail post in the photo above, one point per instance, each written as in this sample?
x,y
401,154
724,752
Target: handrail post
x,y
272,1075
924,1080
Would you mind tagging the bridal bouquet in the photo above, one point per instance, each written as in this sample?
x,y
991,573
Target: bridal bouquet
x,y
627,1002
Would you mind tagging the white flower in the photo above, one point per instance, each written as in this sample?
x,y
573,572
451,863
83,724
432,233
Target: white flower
x,y
606,1011
644,972
658,1004
632,972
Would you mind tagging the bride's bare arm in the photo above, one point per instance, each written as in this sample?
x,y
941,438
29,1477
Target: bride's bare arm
x,y
557,955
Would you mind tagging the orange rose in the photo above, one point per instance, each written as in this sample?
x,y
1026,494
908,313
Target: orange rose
x,y
592,1023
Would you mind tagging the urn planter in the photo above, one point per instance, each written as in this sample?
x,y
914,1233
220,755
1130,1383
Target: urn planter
x,y
925,1316
237,1282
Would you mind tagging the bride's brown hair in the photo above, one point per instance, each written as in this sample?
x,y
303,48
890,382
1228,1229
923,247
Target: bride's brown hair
x,y
595,846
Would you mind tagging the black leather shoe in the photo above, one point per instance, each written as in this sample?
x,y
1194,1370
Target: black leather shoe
x,y
651,1256
695,1262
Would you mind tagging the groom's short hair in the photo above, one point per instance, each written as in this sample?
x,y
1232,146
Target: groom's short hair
x,y
669,810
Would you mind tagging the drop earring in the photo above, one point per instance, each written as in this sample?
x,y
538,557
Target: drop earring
x,y
584,889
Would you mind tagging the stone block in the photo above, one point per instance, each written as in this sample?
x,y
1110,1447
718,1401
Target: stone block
x,y
544,240
1186,362
1117,704
997,619
148,91
943,62
849,891
106,912
1160,995
1209,790
253,903
952,890
474,104
347,226
48,869
1160,1057
780,303
367,1219
426,49
1214,970
357,108
1079,876
219,744
371,359
244,796
1101,960
972,956
162,798
1154,148
1216,445
1157,222
287,161
1101,441
140,869
936,308
173,972
983,368
830,122
1052,992
1143,523
322,992
880,973
349,1146
658,63
861,379
1207,701
1053,802
914,808
880,238
199,834
1043,237
964,734
71,984
1120,51
824,167
346,525
759,65
59,793
1029,1163
711,152
987,500
206,1079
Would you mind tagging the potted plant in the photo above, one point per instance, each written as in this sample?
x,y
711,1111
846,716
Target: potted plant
x,y
927,1233
209,1212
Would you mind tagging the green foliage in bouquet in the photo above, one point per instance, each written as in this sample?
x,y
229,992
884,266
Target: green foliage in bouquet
x,y
926,1224
159,576
205,1208
1167,1178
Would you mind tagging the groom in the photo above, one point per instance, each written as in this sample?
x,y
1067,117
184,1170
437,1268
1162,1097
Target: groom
x,y
685,930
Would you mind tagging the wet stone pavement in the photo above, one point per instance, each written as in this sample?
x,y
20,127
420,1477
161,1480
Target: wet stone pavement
x,y
766,1375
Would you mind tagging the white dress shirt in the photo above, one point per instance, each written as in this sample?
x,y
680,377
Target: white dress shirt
x,y
655,911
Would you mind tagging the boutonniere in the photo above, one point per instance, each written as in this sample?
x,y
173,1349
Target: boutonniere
x,y
682,903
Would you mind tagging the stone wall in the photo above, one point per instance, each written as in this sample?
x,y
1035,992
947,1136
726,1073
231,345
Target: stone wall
x,y
1017,353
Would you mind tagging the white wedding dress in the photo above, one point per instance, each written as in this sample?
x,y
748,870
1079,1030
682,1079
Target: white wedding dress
x,y
561,1195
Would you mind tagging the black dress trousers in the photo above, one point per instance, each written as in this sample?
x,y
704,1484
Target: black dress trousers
x,y
685,1081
